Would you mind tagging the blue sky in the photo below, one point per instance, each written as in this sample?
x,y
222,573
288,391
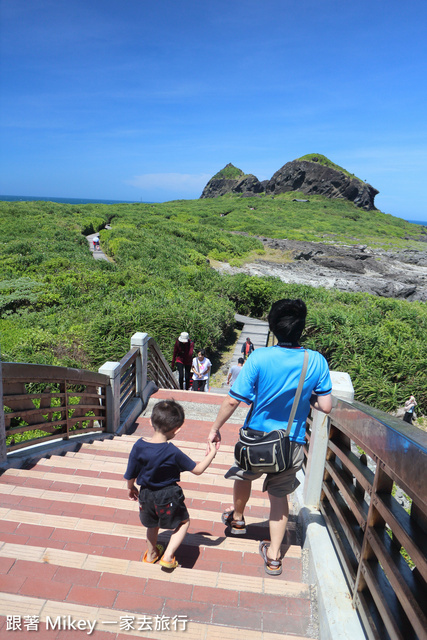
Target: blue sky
x,y
131,100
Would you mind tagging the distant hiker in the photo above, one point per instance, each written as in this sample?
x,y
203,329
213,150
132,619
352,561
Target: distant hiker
x,y
182,357
156,466
234,371
201,368
96,243
247,348
409,409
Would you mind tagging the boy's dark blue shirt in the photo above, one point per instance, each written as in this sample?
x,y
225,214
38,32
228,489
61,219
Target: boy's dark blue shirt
x,y
157,465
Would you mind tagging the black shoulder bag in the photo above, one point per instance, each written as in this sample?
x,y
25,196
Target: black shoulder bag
x,y
268,452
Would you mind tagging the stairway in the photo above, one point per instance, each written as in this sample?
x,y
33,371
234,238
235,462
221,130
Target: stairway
x,y
71,548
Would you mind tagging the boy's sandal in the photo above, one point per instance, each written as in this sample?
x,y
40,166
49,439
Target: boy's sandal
x,y
169,565
237,527
272,567
159,550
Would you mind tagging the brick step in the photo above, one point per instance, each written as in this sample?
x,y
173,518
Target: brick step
x,y
107,509
195,397
39,557
71,544
43,529
196,430
87,466
115,498
100,486
108,621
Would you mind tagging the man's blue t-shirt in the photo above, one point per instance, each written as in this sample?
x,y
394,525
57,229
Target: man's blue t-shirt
x,y
157,464
269,381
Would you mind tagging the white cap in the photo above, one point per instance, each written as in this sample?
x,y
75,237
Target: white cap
x,y
184,337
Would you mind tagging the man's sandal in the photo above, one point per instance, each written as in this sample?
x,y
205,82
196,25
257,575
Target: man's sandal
x,y
272,567
237,527
159,550
169,565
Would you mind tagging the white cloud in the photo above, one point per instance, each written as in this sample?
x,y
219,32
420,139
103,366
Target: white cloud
x,y
177,182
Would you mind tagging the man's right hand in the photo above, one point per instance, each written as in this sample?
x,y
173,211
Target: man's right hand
x,y
214,436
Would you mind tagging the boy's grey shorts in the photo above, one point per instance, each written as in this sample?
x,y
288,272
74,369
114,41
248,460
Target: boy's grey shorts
x,y
164,508
277,484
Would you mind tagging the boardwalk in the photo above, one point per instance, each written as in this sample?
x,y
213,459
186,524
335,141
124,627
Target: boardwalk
x,y
72,545
98,255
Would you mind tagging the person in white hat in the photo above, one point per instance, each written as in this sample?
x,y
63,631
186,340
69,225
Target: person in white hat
x,y
182,357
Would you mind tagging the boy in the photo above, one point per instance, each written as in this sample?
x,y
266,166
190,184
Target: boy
x,y
156,467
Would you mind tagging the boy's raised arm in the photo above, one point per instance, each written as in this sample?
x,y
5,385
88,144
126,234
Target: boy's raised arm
x,y
204,464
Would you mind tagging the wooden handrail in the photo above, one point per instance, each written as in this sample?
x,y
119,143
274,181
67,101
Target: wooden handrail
x,y
128,377
76,404
47,373
382,545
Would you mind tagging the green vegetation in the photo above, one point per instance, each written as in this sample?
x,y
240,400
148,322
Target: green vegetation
x,y
310,157
59,306
319,220
230,172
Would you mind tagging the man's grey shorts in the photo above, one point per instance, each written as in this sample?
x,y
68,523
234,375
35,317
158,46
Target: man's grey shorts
x,y
277,484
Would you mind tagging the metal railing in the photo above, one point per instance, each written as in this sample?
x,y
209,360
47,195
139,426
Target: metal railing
x,y
44,403
158,369
374,501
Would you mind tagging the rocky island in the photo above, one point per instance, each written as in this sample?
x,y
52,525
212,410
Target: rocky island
x,y
356,268
313,174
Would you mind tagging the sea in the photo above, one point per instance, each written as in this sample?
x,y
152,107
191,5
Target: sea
x,y
423,222
89,201
64,200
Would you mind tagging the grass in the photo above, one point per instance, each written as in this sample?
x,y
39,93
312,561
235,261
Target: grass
x,y
321,219
323,160
230,172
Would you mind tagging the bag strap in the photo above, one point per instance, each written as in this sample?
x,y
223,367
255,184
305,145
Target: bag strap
x,y
297,394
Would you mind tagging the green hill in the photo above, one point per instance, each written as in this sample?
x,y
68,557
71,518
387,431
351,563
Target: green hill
x,y
59,306
318,219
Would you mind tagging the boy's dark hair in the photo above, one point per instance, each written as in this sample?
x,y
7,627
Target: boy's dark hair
x,y
240,361
202,351
287,319
167,415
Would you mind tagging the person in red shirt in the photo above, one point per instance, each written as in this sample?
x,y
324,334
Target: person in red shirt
x,y
247,348
183,357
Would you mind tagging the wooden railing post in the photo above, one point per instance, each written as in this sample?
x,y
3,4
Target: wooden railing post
x,y
3,450
112,369
341,388
140,341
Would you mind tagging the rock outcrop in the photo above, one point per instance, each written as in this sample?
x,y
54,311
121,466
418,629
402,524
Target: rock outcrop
x,y
358,268
240,183
313,178
248,185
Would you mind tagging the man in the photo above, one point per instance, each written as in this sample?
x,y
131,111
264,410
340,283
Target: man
x,y
234,371
268,382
